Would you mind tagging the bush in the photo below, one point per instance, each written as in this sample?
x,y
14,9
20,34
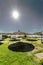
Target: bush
x,y
41,62
14,39
32,39
25,35
4,36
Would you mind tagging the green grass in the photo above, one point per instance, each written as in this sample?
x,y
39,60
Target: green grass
x,y
8,57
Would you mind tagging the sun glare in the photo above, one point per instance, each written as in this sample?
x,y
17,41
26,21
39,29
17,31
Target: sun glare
x,y
15,14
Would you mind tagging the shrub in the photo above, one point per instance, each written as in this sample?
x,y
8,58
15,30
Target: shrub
x,y
14,39
41,62
32,39
4,36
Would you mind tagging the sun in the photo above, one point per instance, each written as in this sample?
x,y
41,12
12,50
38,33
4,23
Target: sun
x,y
15,14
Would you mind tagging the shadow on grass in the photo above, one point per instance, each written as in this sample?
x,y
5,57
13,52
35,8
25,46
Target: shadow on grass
x,y
1,43
21,47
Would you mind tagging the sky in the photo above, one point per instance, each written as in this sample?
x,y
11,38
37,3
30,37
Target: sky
x,y
30,15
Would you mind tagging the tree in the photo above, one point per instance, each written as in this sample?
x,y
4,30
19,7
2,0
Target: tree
x,y
25,35
18,30
4,36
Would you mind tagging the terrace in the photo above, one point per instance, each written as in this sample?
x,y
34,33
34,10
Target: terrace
x,y
23,48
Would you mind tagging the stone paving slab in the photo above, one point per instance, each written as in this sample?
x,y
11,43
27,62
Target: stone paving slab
x,y
39,55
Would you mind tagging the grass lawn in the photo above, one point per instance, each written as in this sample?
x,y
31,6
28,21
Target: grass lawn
x,y
8,57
